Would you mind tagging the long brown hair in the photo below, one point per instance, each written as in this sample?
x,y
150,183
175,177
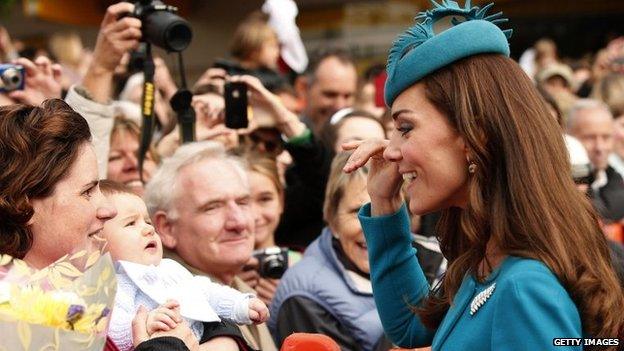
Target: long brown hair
x,y
38,146
522,196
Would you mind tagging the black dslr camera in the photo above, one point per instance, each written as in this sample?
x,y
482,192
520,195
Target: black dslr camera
x,y
161,26
272,262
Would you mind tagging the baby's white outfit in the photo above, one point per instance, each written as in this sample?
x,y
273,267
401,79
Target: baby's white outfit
x,y
200,299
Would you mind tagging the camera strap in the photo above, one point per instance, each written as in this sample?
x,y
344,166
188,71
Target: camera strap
x,y
147,107
181,104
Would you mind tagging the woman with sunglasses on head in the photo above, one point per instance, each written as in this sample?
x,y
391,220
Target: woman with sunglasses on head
x,y
528,262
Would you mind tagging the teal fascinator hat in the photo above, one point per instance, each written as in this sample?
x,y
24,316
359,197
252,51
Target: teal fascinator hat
x,y
420,51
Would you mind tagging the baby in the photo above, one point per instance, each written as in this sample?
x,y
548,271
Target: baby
x,y
162,285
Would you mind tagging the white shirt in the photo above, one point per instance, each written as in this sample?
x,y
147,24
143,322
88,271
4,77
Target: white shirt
x,y
200,299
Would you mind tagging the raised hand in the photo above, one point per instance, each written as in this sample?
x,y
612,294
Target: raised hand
x,y
261,99
116,37
214,76
163,79
384,181
42,81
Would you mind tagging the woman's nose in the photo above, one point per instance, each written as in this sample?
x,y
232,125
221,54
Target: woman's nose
x,y
392,152
131,162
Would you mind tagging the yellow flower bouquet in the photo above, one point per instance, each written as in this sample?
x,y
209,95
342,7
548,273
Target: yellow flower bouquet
x,y
61,307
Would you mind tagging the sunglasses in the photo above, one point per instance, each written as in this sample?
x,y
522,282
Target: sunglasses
x,y
258,143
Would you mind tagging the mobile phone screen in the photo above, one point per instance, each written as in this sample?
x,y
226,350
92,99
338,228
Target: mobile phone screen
x,y
235,94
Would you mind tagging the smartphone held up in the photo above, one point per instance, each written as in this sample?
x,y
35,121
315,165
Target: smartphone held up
x,y
236,111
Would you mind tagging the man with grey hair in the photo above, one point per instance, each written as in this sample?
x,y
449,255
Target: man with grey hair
x,y
591,122
199,201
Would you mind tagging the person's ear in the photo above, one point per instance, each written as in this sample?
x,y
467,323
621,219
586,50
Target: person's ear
x,y
31,221
164,228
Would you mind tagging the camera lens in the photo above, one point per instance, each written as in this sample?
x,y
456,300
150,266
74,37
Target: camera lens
x,y
178,36
167,30
12,79
274,267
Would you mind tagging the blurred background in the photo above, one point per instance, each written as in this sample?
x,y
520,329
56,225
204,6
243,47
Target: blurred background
x,y
365,27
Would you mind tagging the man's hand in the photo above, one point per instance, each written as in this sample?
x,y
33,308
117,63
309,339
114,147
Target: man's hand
x,y
214,76
116,37
163,80
42,81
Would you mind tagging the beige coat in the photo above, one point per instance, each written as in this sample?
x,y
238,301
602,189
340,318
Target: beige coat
x,y
256,335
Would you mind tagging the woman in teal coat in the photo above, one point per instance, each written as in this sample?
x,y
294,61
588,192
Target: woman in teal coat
x,y
528,262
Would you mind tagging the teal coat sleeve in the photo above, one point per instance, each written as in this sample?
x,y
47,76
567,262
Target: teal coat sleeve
x,y
533,309
397,278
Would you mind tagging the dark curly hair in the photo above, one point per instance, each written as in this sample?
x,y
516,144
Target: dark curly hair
x,y
38,145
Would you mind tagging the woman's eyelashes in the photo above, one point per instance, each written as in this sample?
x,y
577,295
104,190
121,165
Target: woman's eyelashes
x,y
404,129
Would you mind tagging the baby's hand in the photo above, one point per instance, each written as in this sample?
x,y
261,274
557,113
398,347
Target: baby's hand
x,y
258,311
164,318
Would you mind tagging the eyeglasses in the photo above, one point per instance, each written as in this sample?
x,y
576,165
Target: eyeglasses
x,y
266,145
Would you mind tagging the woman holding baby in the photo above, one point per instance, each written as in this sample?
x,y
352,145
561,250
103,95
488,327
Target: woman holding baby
x,y
51,204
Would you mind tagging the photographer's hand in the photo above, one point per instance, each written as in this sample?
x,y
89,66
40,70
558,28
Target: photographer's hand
x,y
42,81
287,122
7,50
266,289
214,76
163,80
116,37
250,273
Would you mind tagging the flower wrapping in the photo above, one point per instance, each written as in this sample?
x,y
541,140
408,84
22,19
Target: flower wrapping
x,y
65,306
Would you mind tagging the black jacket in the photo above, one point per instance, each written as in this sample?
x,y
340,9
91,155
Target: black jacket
x,y
211,330
306,179
609,200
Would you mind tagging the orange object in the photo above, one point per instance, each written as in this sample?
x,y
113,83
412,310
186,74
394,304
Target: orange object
x,y
309,342
614,231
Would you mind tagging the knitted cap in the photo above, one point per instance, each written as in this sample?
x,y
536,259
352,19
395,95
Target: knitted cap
x,y
420,50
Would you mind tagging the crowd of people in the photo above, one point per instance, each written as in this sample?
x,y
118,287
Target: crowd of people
x,y
483,180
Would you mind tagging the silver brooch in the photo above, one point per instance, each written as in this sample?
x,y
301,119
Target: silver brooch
x,y
481,298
